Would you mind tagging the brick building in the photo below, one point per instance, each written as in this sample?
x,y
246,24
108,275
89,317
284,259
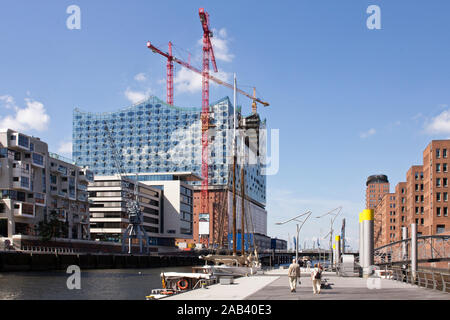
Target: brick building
x,y
377,186
422,199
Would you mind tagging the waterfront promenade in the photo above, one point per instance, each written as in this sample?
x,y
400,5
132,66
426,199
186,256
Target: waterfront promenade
x,y
273,285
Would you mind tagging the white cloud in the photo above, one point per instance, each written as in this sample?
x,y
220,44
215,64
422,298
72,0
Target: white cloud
x,y
136,96
188,81
368,133
65,148
7,101
439,124
220,43
140,77
32,117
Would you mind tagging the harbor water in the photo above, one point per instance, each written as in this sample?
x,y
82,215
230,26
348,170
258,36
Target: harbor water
x,y
111,284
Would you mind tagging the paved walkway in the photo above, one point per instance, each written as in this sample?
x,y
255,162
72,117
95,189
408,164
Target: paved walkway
x,y
345,289
274,285
239,290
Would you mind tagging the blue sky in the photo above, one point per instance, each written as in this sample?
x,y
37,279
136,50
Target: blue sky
x,y
348,101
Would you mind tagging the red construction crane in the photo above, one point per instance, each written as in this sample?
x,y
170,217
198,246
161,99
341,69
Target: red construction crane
x,y
170,76
192,68
208,55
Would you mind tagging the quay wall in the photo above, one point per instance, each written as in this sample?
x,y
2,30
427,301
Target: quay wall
x,y
22,261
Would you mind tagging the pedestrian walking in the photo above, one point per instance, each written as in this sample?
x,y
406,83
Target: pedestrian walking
x,y
316,277
308,265
293,274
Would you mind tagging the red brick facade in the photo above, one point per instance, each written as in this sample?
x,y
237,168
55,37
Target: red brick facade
x,y
422,199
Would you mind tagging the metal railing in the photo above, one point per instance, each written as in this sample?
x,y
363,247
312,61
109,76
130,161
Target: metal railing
x,y
39,249
434,247
423,278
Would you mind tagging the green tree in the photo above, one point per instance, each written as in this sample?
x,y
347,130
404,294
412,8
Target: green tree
x,y
51,227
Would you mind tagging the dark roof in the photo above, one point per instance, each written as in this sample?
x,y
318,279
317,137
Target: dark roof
x,y
379,178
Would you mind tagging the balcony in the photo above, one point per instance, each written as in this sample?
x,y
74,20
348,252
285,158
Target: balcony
x,y
82,187
85,176
61,215
19,142
20,168
82,196
22,184
38,160
24,210
63,170
62,193
39,199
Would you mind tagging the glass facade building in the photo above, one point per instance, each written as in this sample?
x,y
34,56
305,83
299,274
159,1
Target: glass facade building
x,y
155,137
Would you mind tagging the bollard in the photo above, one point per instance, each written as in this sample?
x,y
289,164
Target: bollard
x,y
367,223
414,251
334,257
338,251
361,241
404,245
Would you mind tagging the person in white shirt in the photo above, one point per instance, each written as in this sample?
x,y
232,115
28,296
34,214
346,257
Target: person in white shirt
x,y
293,274
316,276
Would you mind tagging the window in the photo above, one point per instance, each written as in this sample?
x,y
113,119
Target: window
x,y
440,228
445,212
438,167
438,153
438,211
38,159
417,187
438,182
438,196
421,221
445,180
24,141
445,196
444,167
444,153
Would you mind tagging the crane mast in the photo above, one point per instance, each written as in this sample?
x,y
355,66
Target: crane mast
x,y
134,230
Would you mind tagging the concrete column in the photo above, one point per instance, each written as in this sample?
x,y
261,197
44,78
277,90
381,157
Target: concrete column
x,y
334,256
404,245
361,241
413,250
367,222
338,250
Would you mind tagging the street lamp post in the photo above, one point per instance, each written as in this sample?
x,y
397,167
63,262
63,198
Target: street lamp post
x,y
299,227
331,229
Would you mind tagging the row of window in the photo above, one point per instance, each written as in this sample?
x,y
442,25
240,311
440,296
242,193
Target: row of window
x,y
438,153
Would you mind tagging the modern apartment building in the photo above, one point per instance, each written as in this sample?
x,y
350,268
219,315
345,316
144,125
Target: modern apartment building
x,y
376,187
177,201
422,199
36,185
166,205
154,137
